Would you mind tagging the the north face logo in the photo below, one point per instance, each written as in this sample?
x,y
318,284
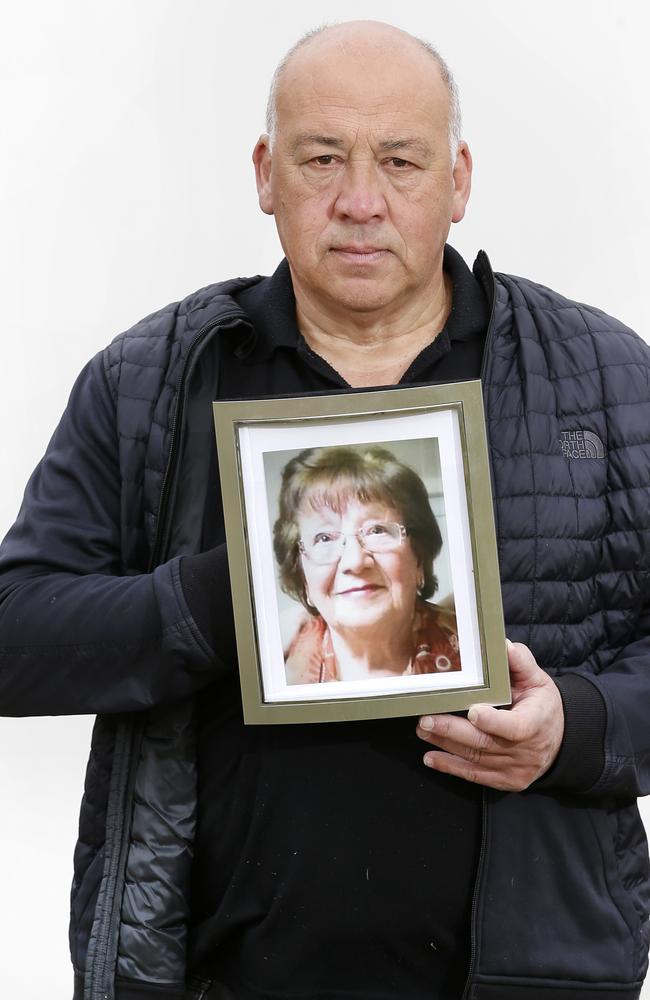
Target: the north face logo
x,y
581,444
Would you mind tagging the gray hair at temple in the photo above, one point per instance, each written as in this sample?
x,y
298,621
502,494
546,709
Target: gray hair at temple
x,y
453,126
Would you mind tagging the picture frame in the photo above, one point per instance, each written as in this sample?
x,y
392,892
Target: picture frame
x,y
333,613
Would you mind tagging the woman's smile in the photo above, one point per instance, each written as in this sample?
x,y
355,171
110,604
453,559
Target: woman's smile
x,y
361,590
360,594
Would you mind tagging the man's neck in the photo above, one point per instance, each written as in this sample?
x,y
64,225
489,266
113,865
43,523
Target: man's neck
x,y
369,351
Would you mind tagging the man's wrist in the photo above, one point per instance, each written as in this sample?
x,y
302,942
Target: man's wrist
x,y
581,757
206,585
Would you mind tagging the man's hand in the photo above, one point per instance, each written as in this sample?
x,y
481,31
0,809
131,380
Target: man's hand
x,y
506,749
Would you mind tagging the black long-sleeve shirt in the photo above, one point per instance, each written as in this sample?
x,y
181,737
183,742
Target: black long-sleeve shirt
x,y
330,863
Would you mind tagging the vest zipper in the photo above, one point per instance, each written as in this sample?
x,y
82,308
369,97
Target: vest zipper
x,y
486,276
163,525
483,271
477,890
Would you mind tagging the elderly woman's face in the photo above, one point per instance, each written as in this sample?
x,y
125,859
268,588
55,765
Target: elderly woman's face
x,y
359,588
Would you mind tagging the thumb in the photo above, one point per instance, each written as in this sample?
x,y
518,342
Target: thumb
x,y
524,668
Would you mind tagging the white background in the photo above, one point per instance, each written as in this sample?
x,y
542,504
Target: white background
x,y
126,183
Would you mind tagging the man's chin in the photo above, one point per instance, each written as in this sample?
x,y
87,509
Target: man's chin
x,y
364,294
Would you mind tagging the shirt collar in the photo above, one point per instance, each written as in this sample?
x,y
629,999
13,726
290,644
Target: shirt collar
x,y
270,305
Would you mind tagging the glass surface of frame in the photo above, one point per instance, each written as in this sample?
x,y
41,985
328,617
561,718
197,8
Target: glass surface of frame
x,y
362,554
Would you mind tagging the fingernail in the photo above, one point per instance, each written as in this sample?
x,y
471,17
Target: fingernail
x,y
472,715
427,722
508,643
428,759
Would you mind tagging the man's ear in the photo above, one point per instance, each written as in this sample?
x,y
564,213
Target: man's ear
x,y
462,181
262,161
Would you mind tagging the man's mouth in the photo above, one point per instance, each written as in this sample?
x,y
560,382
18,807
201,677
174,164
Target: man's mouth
x,y
360,254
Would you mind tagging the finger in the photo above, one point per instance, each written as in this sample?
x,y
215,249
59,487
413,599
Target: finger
x,y
511,725
469,743
447,763
488,754
447,729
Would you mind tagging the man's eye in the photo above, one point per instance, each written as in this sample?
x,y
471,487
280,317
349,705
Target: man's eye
x,y
323,161
397,161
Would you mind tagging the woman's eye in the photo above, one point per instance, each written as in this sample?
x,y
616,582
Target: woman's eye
x,y
375,529
323,536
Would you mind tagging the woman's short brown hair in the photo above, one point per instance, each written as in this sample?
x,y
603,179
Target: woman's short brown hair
x,y
332,477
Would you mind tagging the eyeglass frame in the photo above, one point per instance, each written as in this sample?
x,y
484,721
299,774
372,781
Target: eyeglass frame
x,y
399,541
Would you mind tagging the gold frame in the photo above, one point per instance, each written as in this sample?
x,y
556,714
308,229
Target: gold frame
x,y
463,397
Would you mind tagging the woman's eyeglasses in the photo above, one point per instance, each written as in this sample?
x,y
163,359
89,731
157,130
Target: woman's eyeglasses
x,y
327,546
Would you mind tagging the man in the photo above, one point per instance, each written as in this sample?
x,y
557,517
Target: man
x,y
217,860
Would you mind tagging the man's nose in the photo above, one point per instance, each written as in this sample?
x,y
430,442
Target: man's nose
x,y
353,555
360,197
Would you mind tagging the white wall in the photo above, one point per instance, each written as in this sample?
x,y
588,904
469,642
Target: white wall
x,y
126,182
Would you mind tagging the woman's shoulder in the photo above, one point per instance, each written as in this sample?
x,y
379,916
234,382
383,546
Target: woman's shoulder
x,y
441,615
307,630
436,639
304,658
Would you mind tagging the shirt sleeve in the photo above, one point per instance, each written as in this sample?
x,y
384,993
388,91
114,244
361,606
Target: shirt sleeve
x,y
79,633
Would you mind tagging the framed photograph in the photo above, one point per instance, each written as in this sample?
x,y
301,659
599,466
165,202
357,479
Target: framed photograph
x,y
362,554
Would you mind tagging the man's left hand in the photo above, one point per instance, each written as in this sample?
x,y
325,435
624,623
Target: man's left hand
x,y
506,749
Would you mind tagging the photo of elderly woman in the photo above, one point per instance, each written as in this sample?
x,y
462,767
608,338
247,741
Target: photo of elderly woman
x,y
358,548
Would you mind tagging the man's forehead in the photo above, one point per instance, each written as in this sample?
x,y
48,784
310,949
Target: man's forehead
x,y
416,127
395,114
388,98
369,88
380,137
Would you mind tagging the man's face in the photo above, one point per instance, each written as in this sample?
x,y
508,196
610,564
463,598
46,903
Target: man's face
x,y
360,177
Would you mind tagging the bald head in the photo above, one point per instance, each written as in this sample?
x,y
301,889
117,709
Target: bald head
x,y
363,40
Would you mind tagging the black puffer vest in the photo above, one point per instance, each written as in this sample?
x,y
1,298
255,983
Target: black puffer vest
x,y
561,898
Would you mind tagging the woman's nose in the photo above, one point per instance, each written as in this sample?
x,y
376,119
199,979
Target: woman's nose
x,y
353,554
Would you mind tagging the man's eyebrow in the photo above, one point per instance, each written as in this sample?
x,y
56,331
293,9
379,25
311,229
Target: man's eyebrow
x,y
403,145
311,139
387,145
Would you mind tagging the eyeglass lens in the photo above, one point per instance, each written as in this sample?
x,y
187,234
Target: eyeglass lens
x,y
327,546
